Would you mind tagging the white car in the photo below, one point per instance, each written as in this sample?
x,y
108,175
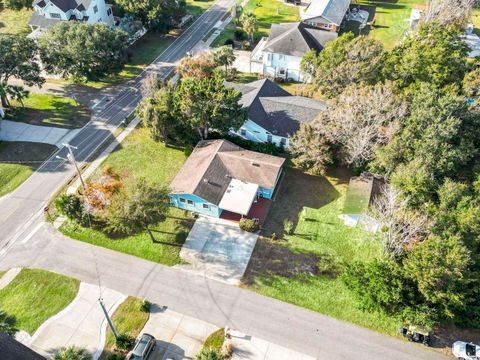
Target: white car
x,y
466,351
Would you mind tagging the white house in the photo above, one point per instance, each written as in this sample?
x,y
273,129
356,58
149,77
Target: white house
x,y
273,113
282,52
326,14
47,13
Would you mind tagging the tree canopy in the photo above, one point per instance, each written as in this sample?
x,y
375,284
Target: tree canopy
x,y
83,51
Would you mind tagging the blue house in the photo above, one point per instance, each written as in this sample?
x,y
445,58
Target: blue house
x,y
221,176
273,113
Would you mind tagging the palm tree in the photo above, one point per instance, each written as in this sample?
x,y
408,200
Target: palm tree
x,y
249,24
15,92
72,353
224,56
7,323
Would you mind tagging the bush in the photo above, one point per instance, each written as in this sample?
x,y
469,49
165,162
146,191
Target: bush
x,y
17,4
71,206
187,150
124,341
227,349
287,226
229,42
209,354
72,353
145,306
246,45
239,34
248,225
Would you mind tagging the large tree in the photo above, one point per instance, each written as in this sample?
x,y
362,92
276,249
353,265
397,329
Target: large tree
x,y
249,24
17,60
17,4
201,67
207,104
309,150
83,51
433,54
137,206
344,61
449,12
361,118
158,113
160,15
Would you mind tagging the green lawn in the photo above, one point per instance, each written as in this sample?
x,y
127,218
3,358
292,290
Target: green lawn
x,y
36,295
15,22
142,157
304,268
128,318
215,340
50,110
13,174
391,19
197,7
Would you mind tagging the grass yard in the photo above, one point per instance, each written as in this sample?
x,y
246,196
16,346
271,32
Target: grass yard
x,y
34,295
128,318
391,19
50,110
14,22
142,157
304,268
13,174
198,7
215,340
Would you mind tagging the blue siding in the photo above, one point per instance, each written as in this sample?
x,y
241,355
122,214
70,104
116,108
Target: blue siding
x,y
197,206
255,133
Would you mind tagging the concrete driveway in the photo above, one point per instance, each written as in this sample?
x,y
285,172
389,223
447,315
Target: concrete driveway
x,y
81,323
178,336
218,249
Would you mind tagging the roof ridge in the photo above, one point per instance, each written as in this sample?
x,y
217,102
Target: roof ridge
x,y
210,158
280,99
281,36
231,154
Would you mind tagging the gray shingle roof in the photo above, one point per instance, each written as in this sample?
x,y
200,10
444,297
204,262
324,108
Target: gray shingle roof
x,y
296,39
275,109
42,22
65,5
213,163
331,10
11,349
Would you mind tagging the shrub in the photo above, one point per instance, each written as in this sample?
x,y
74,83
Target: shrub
x,y
209,354
71,206
287,226
248,225
239,34
187,150
17,4
229,42
266,148
72,353
227,349
246,45
145,306
124,341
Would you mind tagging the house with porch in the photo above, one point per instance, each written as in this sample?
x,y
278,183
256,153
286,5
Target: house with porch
x,y
281,54
327,15
220,178
273,113
47,13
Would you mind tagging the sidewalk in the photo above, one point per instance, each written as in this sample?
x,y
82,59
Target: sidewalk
x,y
82,323
18,131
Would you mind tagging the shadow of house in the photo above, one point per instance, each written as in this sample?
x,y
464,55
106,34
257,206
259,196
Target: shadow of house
x,y
296,191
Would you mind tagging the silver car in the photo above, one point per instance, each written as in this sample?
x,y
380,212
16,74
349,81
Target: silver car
x,y
143,348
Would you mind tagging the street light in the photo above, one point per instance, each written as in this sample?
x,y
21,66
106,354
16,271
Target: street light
x,y
71,158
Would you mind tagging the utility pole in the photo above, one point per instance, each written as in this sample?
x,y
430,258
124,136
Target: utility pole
x,y
110,323
71,157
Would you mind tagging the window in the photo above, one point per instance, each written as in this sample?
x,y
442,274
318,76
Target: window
x,y
109,11
283,141
189,202
243,132
182,200
269,138
205,206
55,16
327,26
95,9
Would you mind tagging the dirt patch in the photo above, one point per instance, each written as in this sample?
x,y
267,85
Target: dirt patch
x,y
445,336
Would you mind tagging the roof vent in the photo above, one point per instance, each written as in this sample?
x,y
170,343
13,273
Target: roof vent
x,y
205,181
254,164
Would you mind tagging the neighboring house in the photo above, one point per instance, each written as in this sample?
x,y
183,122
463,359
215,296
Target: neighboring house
x,y
287,43
273,113
362,192
326,14
47,13
416,14
11,349
220,176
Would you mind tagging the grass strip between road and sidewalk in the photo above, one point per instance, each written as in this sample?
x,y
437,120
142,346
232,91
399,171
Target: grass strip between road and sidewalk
x,y
35,295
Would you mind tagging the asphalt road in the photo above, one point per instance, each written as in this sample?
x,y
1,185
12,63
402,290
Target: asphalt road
x,y
209,300
21,210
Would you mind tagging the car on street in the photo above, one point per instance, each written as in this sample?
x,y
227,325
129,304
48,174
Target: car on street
x,y
466,351
143,348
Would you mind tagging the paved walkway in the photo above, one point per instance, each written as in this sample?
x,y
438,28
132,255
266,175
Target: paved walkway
x,y
8,277
81,323
202,298
18,131
218,249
